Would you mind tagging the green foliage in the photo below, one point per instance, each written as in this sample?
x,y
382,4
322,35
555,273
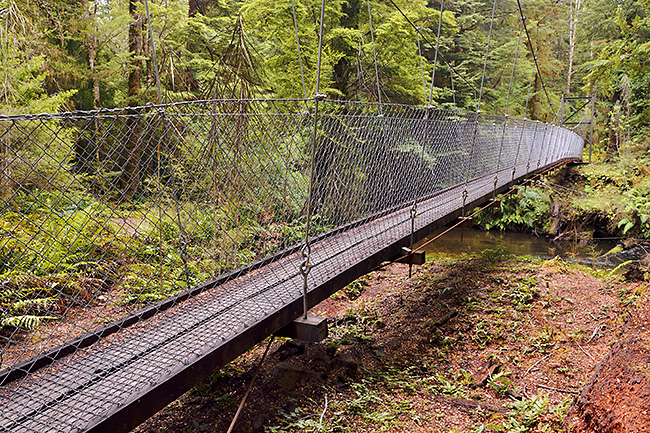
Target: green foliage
x,y
617,198
25,322
544,341
353,290
25,308
529,415
522,293
501,382
526,209
60,55
448,387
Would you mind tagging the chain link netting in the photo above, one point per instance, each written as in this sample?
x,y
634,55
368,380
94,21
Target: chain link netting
x,y
134,241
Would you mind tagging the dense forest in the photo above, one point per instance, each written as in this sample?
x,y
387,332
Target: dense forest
x,y
66,56
89,55
60,56
113,209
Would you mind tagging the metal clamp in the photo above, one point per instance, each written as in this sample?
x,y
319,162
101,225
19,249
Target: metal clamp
x,y
305,267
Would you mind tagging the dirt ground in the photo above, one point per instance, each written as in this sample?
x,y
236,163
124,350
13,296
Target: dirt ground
x,y
478,343
617,399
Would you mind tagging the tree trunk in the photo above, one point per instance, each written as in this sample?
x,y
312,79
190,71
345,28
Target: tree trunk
x,y
130,177
135,49
535,103
147,54
196,7
573,27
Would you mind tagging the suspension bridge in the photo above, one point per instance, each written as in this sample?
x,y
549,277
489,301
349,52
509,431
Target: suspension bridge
x,y
144,248
375,183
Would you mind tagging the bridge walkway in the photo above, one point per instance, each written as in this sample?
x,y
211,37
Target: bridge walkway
x,y
127,375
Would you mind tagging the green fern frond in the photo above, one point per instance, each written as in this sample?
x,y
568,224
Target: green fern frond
x,y
27,322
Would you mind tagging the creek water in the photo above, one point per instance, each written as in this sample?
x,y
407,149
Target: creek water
x,y
463,240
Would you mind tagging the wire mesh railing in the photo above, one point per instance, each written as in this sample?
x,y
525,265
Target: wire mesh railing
x,y
114,216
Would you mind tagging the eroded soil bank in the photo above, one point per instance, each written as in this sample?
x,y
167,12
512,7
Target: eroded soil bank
x,y
617,399
472,344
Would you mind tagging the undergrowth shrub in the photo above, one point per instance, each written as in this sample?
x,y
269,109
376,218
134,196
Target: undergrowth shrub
x,y
527,209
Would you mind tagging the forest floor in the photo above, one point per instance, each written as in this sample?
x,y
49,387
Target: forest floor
x,y
475,343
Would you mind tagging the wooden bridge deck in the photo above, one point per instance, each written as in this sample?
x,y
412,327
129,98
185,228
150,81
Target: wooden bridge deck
x,y
126,376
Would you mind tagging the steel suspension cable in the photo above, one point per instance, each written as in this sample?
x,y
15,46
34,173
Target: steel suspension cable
x,y
424,84
295,27
505,123
435,56
521,135
512,74
414,206
539,157
374,52
320,45
478,111
360,79
487,52
453,91
532,51
181,241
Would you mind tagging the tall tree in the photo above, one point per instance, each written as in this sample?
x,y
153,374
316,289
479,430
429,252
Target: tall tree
x,y
131,152
574,12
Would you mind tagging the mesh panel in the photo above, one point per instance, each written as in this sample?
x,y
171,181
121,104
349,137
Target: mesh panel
x,y
135,241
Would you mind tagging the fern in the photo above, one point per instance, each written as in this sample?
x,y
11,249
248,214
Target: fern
x,y
27,322
41,304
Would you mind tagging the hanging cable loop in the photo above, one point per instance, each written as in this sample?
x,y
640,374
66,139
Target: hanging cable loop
x,y
506,117
305,266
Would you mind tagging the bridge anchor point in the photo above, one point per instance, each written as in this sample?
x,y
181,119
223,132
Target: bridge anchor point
x,y
466,223
312,329
411,257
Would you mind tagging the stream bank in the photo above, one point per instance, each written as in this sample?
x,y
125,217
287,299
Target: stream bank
x,y
597,253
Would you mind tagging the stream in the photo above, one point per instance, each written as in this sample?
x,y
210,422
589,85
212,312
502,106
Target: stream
x,y
463,240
